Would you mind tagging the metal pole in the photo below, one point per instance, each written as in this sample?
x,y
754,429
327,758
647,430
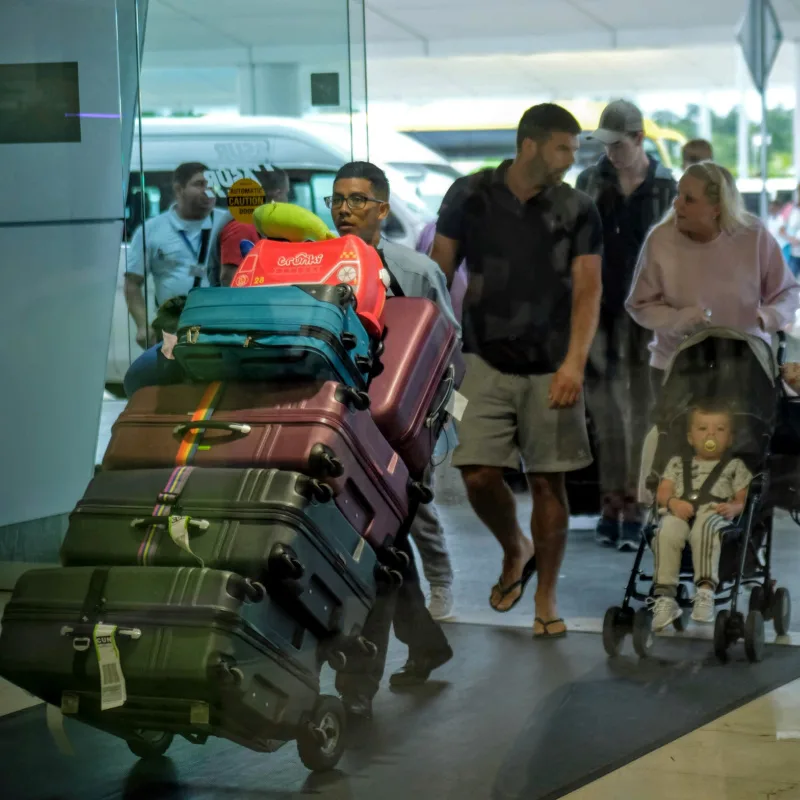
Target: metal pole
x,y
764,157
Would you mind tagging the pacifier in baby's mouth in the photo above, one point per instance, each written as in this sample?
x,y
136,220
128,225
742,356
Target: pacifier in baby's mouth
x,y
710,445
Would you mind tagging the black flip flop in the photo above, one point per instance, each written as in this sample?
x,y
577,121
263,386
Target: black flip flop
x,y
545,634
521,584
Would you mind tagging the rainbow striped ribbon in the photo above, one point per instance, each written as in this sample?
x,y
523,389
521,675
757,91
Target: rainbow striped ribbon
x,y
177,480
191,441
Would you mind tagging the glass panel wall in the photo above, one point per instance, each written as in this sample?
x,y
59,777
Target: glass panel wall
x,y
282,102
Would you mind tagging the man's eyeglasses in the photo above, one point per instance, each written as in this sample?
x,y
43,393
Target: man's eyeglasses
x,y
355,201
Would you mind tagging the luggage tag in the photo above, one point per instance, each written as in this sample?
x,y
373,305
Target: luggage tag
x,y
456,405
113,692
179,533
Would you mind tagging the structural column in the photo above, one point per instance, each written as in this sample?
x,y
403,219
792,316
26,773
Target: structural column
x,y
743,128
796,46
270,90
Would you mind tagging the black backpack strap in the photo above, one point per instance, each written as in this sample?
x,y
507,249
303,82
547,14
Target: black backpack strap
x,y
205,238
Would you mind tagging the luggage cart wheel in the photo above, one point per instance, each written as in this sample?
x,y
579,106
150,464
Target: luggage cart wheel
x,y
320,744
614,631
643,632
349,340
721,637
782,611
150,744
682,622
754,637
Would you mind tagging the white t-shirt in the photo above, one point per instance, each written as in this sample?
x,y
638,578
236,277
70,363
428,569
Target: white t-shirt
x,y
172,259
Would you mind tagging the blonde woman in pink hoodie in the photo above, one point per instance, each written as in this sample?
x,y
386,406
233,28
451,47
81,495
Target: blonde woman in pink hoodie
x,y
710,263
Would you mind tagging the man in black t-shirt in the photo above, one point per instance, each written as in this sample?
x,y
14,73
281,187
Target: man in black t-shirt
x,y
532,247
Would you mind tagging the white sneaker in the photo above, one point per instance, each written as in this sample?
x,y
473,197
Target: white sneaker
x,y
665,611
441,602
704,606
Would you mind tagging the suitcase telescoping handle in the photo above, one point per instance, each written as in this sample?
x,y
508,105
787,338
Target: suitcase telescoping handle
x,y
450,382
163,522
81,643
210,425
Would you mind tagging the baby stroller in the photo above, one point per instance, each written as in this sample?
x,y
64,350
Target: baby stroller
x,y
722,364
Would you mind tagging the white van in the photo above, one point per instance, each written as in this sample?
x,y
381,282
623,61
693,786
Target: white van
x,y
241,147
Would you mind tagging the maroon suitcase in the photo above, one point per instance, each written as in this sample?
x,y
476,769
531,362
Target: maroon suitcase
x,y
422,365
321,430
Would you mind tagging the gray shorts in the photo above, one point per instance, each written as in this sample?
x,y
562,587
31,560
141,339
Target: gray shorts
x,y
508,418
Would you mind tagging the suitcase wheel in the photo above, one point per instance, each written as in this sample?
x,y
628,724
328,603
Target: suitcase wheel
x,y
400,558
283,564
320,743
419,491
337,660
256,592
150,744
323,462
349,340
363,363
367,647
385,575
353,399
347,295
314,490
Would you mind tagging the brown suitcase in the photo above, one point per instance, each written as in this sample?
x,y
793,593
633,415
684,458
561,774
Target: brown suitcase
x,y
321,430
421,367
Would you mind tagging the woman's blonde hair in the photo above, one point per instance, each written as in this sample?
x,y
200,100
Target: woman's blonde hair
x,y
720,189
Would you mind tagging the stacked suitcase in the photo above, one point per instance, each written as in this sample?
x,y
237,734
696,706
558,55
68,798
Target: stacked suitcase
x,y
233,541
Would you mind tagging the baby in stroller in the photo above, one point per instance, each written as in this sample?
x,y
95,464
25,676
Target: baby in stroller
x,y
706,474
697,498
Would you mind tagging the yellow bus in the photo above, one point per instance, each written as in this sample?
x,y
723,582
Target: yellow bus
x,y
484,134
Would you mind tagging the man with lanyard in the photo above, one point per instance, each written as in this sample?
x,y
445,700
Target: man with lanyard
x,y
632,192
173,247
360,204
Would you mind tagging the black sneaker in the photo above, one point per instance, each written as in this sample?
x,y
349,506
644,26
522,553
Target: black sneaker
x,y
417,670
630,537
607,532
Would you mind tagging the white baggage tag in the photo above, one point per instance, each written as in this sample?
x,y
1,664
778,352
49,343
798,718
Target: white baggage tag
x,y
55,723
179,533
113,693
457,405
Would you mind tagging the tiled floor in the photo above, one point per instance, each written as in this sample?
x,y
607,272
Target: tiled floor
x,y
752,753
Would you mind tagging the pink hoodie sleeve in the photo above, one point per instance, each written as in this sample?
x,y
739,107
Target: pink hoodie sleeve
x,y
646,303
780,292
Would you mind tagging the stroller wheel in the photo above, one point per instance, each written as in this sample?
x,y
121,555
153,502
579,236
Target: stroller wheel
x,y
643,632
682,622
757,599
721,639
754,637
782,611
614,631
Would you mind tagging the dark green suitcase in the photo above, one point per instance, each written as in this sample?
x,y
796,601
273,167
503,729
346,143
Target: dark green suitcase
x,y
201,652
279,528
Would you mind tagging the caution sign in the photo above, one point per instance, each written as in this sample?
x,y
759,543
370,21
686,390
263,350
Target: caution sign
x,y
244,197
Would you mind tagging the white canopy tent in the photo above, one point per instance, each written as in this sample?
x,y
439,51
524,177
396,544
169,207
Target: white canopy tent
x,y
206,52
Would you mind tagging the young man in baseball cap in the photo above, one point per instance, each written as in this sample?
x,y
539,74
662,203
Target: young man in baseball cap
x,y
632,192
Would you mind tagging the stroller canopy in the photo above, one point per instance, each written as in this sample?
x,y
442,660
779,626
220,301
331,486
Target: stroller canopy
x,y
722,364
